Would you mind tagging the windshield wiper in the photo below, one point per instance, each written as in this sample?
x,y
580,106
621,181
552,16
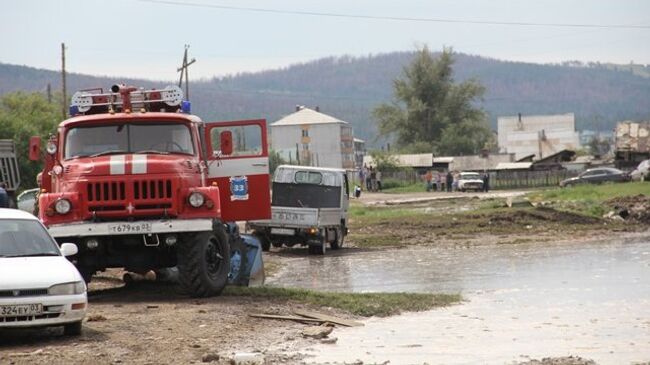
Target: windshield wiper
x,y
110,152
34,254
152,151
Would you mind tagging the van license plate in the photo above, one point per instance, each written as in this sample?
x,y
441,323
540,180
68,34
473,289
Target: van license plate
x,y
283,231
20,310
129,228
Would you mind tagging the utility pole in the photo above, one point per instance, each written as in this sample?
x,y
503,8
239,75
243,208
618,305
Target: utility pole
x,y
49,93
184,73
64,108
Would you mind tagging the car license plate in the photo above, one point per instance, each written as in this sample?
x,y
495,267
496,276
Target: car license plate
x,y
127,228
20,310
283,231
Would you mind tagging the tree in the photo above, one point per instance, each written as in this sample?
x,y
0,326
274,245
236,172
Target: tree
x,y
430,110
23,115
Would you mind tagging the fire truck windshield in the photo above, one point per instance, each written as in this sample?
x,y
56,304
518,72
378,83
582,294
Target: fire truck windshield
x,y
160,138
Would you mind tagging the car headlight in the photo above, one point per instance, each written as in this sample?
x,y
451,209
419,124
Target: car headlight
x,y
62,206
196,199
78,287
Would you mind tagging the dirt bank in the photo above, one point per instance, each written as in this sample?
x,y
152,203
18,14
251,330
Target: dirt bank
x,y
151,324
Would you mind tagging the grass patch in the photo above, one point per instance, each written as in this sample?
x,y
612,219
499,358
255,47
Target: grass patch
x,y
405,188
362,304
592,193
375,240
589,199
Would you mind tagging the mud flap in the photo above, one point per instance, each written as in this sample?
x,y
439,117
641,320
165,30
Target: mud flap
x,y
255,267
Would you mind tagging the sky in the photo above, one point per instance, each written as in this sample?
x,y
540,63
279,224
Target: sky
x,y
146,38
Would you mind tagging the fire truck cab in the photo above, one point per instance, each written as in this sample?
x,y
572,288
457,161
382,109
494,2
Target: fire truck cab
x,y
138,182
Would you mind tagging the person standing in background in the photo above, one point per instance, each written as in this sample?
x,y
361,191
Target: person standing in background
x,y
438,181
449,181
378,177
4,197
427,178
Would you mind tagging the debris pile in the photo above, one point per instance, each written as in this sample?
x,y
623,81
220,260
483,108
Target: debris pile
x,y
630,208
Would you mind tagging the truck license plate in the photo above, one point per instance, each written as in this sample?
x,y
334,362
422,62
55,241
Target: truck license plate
x,y
127,228
283,231
20,310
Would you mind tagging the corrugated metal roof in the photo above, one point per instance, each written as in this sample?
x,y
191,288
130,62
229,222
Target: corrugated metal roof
x,y
415,160
307,116
443,159
513,165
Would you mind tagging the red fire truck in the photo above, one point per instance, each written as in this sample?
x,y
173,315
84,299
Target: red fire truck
x,y
138,182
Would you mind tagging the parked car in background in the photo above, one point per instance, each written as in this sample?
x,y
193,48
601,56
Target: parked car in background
x,y
26,200
642,172
470,181
39,287
597,176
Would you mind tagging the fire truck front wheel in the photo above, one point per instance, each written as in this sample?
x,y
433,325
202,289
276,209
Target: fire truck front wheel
x,y
204,263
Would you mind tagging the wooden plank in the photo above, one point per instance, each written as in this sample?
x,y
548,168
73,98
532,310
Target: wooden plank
x,y
289,318
327,318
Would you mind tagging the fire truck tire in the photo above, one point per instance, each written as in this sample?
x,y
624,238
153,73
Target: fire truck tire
x,y
86,273
238,251
204,262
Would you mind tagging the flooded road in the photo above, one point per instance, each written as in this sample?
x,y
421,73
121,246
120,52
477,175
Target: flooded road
x,y
590,299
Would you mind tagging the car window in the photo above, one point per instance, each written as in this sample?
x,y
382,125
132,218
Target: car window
x,y
25,237
308,177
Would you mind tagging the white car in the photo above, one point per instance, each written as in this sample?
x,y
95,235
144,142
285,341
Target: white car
x,y
26,200
642,172
38,285
470,181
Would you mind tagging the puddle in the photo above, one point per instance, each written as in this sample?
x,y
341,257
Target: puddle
x,y
590,299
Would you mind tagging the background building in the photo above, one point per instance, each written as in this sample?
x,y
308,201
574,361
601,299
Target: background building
x,y
309,137
538,135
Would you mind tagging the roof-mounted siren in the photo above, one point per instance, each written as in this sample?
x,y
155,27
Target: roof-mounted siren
x,y
124,98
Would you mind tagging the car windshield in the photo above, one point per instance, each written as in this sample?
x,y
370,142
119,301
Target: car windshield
x,y
25,237
128,138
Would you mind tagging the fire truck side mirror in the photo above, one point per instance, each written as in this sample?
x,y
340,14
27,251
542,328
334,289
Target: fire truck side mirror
x,y
35,148
226,142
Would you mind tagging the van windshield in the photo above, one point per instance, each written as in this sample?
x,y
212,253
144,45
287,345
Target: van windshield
x,y
305,195
163,138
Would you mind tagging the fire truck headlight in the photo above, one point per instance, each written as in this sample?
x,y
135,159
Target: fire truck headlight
x,y
62,206
50,147
196,199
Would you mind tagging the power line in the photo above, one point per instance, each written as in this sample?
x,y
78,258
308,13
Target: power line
x,y
394,18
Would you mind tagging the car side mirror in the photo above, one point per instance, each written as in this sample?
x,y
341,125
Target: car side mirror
x,y
35,148
225,142
69,249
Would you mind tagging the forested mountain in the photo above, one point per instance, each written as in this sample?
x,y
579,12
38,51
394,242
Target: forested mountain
x,y
350,87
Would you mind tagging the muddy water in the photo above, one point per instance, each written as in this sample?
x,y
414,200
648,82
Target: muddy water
x,y
529,300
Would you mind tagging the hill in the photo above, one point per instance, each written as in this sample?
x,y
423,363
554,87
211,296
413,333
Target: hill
x,y
350,87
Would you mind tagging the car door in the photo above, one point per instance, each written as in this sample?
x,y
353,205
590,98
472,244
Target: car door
x,y
238,162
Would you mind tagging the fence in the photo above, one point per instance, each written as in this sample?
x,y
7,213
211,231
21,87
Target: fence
x,y
498,179
528,179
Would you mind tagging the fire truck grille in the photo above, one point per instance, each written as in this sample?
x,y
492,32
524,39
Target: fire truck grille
x,y
146,195
152,189
106,191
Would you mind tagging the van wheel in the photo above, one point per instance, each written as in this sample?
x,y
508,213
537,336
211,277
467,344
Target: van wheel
x,y
204,262
72,329
340,238
317,249
264,241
